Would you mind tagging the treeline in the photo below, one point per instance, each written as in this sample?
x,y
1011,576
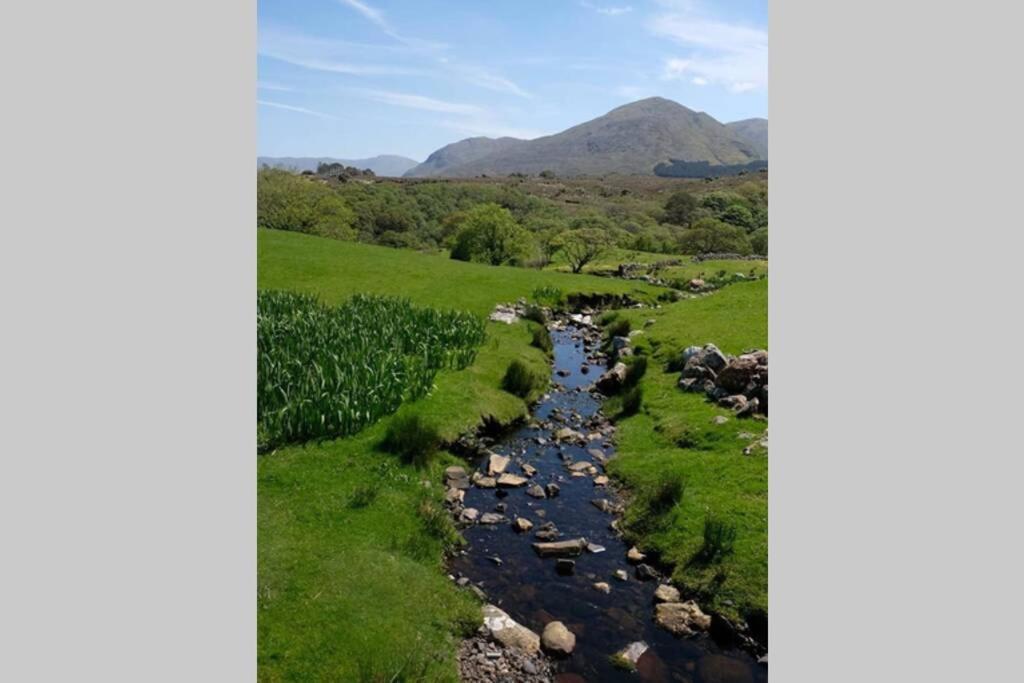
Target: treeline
x,y
676,168
503,224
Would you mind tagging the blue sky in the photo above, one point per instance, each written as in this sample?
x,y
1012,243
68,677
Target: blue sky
x,y
357,78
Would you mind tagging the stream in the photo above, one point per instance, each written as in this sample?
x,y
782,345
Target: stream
x,y
531,590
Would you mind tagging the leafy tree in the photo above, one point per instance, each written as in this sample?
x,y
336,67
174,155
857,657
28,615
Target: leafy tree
x,y
679,208
709,235
717,202
583,245
285,201
738,215
759,241
489,234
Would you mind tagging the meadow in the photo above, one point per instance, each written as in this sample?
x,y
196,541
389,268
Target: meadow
x,y
350,538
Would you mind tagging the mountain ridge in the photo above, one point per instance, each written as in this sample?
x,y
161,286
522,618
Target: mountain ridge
x,y
389,165
630,139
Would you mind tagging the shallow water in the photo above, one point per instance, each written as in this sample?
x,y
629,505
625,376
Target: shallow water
x,y
533,593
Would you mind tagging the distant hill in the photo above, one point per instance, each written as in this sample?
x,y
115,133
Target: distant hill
x,y
631,139
384,165
753,131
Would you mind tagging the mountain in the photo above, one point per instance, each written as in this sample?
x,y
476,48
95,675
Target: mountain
x,y
384,165
754,132
462,152
631,139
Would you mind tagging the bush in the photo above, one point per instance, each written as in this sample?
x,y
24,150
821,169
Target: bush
x,y
542,340
551,296
619,328
410,437
631,400
285,201
635,370
519,379
489,234
363,495
713,236
536,314
719,539
679,208
759,241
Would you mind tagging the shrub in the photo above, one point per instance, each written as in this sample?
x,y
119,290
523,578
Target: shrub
x,y
619,328
679,208
759,241
519,379
709,235
410,437
363,495
536,314
631,400
719,539
285,201
489,234
635,370
542,340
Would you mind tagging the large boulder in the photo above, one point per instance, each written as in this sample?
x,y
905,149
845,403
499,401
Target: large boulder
x,y
496,464
739,372
612,380
504,629
557,639
681,618
712,358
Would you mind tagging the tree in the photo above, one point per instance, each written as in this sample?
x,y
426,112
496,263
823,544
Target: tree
x,y
759,241
679,208
711,236
738,215
489,234
285,201
583,245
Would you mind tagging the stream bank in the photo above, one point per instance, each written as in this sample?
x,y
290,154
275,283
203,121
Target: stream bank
x,y
540,518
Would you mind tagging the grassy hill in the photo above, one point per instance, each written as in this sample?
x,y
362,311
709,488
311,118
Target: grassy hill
x,y
350,582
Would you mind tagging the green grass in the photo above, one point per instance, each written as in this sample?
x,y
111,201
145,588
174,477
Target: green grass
x,y
350,581
674,438
609,262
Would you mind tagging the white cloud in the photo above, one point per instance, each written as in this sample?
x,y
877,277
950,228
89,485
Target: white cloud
x,y
269,85
484,78
730,55
301,110
607,11
400,99
377,17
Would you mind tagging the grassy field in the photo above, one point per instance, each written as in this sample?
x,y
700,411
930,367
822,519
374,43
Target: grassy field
x,y
350,540
674,435
609,262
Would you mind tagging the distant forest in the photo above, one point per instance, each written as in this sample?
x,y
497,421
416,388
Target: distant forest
x,y
677,168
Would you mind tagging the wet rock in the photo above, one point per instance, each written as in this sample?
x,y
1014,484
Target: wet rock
x,y
630,654
493,518
601,480
595,548
485,482
565,567
511,480
681,618
496,464
469,515
581,466
634,555
612,380
557,639
568,548
522,524
454,495
500,507
568,434
455,477
504,629
666,593
603,505
547,534
595,453
602,586
501,493
536,491
646,572
529,470
552,490
621,574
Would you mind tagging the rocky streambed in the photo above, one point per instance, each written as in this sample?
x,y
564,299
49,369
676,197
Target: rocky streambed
x,y
567,599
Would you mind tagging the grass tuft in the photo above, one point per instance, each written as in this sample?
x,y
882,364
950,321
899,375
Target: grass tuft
x,y
520,380
412,438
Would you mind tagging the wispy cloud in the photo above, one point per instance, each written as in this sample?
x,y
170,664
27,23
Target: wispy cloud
x,y
376,17
484,78
400,99
721,53
607,11
301,110
332,56
270,85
